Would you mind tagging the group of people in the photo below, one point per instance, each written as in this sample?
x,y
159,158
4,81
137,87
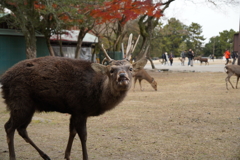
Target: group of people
x,y
169,57
166,58
190,55
228,55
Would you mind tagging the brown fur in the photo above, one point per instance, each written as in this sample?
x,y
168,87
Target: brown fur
x,y
65,85
203,60
232,70
196,58
142,74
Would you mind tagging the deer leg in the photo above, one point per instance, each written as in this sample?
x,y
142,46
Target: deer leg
x,y
20,119
23,133
140,84
81,128
72,134
237,81
135,80
228,80
10,130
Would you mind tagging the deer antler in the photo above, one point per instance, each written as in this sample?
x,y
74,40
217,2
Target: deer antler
x,y
131,46
105,52
140,64
135,44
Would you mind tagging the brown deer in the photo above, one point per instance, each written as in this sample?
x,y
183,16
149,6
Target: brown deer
x,y
142,74
79,88
232,70
182,60
196,58
203,60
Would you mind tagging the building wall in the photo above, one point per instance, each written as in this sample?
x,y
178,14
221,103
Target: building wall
x,y
69,51
13,50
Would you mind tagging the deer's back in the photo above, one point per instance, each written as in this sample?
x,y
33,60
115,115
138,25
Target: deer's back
x,y
233,69
53,84
203,59
141,74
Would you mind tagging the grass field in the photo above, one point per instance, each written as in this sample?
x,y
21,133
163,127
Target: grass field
x,y
191,117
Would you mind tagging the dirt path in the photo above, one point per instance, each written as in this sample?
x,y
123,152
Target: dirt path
x,y
191,116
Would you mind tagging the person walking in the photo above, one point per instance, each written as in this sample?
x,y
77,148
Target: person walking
x,y
234,57
164,58
227,56
190,57
193,55
171,58
167,57
212,57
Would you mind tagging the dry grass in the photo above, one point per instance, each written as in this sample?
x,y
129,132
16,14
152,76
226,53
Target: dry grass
x,y
191,116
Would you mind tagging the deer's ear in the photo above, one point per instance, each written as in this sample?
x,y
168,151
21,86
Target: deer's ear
x,y
99,68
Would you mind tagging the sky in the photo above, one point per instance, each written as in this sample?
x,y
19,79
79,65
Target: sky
x,y
213,20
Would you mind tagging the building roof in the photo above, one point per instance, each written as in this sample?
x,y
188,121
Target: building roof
x,y
72,36
14,32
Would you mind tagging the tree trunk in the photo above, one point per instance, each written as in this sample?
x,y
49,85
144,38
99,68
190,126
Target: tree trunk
x,y
30,39
145,35
60,45
119,34
147,25
81,35
50,49
152,64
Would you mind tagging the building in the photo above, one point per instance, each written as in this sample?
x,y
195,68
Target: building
x,y
13,48
69,40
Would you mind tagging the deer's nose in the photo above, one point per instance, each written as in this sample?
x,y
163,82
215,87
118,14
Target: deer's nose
x,y
122,75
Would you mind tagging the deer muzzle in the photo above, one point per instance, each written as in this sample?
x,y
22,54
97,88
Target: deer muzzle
x,y
122,79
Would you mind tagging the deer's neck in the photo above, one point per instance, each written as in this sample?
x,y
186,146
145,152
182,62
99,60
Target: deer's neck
x,y
148,78
110,96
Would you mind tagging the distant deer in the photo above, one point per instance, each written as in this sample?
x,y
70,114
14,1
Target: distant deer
x,y
232,70
79,88
142,74
196,58
182,60
203,60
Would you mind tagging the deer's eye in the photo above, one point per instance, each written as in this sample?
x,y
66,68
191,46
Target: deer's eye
x,y
130,69
111,71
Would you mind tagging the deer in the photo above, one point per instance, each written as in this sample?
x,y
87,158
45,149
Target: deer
x,y
80,88
182,61
142,74
203,60
232,70
196,58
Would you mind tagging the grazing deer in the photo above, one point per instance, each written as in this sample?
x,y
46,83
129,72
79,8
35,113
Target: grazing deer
x,y
79,88
142,74
232,70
